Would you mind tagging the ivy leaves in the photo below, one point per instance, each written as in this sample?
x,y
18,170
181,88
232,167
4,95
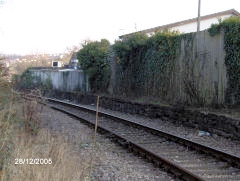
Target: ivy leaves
x,y
130,50
231,28
144,59
139,48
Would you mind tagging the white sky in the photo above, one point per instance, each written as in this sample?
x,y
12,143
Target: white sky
x,y
49,26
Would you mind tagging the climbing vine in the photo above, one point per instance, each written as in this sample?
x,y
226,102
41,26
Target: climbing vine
x,y
231,29
130,50
146,63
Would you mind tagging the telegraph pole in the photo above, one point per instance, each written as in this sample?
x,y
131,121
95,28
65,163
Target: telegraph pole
x,y
198,19
198,28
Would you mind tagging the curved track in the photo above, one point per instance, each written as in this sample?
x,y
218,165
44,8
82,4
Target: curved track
x,y
186,159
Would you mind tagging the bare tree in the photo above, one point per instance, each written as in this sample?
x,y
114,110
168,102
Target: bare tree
x,y
69,52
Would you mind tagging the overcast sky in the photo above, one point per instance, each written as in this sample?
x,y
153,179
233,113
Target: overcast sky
x,y
49,26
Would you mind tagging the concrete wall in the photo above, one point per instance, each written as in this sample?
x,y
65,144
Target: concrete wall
x,y
64,80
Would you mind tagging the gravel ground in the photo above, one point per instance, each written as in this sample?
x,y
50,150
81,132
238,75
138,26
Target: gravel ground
x,y
111,162
213,140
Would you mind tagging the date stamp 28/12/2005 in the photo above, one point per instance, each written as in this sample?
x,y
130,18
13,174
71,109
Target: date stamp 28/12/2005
x,y
33,161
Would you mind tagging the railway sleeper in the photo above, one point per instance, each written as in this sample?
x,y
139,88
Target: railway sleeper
x,y
152,158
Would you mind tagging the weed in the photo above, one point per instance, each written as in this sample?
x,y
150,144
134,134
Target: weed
x,y
65,165
7,120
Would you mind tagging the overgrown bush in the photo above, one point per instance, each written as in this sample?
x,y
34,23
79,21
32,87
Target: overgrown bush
x,y
130,50
27,80
93,60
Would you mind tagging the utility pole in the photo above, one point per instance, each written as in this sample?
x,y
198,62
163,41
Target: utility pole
x,y
198,19
198,28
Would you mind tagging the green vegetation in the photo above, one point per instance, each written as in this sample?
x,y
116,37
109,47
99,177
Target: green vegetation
x,y
130,50
152,67
21,137
231,29
146,63
93,60
13,120
28,80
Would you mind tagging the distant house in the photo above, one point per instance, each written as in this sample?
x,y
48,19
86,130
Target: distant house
x,y
73,63
190,25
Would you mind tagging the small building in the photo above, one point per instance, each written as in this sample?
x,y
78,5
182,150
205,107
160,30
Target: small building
x,y
190,25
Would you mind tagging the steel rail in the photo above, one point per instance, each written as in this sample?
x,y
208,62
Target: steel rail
x,y
230,158
172,167
159,160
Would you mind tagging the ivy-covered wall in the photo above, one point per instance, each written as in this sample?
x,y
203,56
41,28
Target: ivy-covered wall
x,y
231,29
175,68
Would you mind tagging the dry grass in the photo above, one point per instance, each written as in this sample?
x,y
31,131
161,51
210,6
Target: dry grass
x,y
30,111
7,114
66,164
20,137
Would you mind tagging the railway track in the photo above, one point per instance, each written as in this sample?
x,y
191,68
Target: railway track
x,y
186,159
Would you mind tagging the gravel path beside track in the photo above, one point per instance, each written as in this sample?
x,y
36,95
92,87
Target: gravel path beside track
x,y
111,161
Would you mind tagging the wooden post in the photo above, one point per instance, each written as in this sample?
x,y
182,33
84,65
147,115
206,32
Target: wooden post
x,y
94,139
